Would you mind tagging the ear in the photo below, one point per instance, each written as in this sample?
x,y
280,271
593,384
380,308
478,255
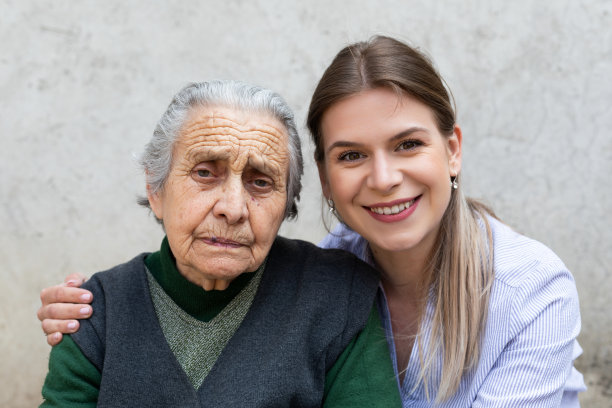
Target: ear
x,y
454,143
323,180
156,202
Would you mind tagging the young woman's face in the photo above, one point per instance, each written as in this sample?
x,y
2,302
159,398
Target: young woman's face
x,y
387,168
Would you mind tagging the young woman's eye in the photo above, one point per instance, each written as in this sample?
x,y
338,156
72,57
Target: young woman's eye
x,y
350,156
409,144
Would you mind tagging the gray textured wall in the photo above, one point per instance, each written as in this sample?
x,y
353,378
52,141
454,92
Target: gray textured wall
x,y
83,83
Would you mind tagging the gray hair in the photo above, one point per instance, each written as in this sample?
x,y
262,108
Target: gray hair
x,y
157,156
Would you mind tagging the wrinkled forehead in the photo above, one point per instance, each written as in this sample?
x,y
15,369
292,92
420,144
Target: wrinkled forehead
x,y
238,136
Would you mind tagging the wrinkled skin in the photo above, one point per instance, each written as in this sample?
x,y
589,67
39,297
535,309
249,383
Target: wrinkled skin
x,y
221,206
224,199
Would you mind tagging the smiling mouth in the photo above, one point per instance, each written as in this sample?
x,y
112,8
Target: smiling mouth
x,y
394,209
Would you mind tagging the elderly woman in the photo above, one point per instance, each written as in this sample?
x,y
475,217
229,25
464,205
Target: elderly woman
x,y
288,324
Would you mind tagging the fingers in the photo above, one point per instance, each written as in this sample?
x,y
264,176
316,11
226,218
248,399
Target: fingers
x,y
54,338
75,280
64,294
63,311
61,305
55,326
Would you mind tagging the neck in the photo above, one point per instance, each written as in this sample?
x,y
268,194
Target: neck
x,y
405,273
195,277
401,274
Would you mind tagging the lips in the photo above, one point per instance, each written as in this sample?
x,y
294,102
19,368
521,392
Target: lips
x,y
222,242
393,211
393,207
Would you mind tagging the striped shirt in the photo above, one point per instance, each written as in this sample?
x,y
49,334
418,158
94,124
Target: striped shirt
x,y
529,343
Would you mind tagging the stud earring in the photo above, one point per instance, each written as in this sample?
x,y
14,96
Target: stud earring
x,y
331,205
454,183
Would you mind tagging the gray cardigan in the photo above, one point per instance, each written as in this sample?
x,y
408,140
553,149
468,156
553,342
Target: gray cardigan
x,y
310,304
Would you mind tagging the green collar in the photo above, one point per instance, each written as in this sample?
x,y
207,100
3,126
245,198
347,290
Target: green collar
x,y
201,304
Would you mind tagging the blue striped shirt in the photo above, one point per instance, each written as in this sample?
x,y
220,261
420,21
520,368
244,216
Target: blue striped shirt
x,y
529,343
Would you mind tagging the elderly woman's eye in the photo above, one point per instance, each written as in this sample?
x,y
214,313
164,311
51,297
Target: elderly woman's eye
x,y
203,173
261,183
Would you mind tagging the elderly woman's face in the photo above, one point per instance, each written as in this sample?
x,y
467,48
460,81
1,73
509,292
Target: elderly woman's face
x,y
225,197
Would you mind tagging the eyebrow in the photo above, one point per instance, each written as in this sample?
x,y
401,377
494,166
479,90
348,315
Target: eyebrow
x,y
263,167
201,155
400,135
260,165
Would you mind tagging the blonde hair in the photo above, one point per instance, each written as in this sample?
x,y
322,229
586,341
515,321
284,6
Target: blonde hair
x,y
461,276
460,267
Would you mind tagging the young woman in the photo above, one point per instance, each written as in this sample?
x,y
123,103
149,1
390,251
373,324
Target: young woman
x,y
475,314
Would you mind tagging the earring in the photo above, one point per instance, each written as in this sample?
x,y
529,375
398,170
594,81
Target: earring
x,y
453,182
331,205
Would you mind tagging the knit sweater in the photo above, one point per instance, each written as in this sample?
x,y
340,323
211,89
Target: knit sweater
x,y
361,375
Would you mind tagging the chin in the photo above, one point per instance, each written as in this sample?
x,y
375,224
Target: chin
x,y
396,245
224,269
227,272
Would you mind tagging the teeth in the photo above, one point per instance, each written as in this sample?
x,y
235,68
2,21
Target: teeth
x,y
392,210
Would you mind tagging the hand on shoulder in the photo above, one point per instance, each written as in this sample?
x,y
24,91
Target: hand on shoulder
x,y
61,305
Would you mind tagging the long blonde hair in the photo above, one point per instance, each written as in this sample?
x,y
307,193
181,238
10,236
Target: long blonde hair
x,y
460,267
461,272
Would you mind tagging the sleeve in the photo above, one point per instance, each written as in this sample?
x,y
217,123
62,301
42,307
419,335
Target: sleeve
x,y
331,240
363,374
72,381
342,237
535,364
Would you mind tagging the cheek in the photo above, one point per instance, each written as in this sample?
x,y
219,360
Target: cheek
x,y
349,193
266,215
342,183
434,171
437,178
190,211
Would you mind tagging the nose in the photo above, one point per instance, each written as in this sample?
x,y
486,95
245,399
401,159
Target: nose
x,y
384,175
232,203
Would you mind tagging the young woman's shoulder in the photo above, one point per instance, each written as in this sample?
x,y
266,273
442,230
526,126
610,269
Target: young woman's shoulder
x,y
520,261
533,321
342,237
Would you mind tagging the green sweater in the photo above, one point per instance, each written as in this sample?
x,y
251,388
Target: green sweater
x,y
361,375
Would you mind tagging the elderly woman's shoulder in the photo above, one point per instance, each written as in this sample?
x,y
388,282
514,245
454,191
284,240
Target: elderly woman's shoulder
x,y
340,263
119,275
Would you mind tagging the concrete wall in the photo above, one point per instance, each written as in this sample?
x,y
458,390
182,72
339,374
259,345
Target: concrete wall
x,y
82,85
